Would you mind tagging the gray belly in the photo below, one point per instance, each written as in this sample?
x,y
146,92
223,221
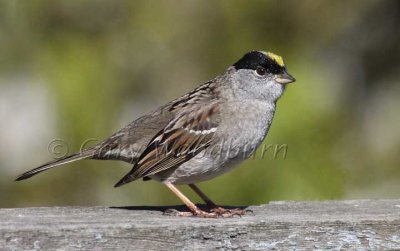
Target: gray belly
x,y
212,162
198,169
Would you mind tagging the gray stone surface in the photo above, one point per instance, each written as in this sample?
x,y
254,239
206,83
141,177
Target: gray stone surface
x,y
336,225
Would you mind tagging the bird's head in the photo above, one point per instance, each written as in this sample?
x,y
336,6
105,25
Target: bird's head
x,y
260,75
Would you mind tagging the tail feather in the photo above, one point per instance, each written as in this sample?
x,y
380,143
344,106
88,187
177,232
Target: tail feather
x,y
127,178
55,163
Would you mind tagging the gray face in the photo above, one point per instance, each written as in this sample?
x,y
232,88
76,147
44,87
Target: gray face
x,y
249,84
259,76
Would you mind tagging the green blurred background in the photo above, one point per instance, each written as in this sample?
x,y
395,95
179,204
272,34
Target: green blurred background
x,y
78,70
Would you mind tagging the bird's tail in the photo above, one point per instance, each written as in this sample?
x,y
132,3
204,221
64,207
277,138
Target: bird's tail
x,y
71,158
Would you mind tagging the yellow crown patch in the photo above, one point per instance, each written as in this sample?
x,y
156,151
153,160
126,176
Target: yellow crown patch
x,y
276,58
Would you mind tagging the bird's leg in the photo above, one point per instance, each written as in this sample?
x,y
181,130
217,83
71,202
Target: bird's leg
x,y
213,207
204,197
195,210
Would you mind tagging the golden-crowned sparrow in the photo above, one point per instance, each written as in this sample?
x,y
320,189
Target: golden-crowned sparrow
x,y
200,135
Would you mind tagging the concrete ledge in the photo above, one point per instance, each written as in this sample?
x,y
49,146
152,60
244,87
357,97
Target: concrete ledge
x,y
356,224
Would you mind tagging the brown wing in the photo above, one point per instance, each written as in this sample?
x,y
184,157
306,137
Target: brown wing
x,y
183,138
128,143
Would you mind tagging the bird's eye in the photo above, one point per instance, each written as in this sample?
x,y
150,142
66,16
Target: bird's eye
x,y
261,71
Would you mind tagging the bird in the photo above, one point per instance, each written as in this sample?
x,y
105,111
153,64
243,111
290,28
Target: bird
x,y
200,135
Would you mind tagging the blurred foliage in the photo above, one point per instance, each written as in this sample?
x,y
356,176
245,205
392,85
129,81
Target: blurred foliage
x,y
76,70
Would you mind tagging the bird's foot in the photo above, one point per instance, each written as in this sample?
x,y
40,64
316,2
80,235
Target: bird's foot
x,y
174,212
197,213
228,213
216,212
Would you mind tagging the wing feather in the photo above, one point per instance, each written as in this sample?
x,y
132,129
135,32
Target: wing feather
x,y
184,137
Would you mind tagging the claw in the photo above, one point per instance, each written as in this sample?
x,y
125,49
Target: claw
x,y
249,211
170,212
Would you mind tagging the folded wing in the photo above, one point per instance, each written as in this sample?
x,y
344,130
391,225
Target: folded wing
x,y
182,139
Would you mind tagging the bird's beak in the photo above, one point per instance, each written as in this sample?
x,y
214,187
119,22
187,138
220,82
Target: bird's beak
x,y
285,78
